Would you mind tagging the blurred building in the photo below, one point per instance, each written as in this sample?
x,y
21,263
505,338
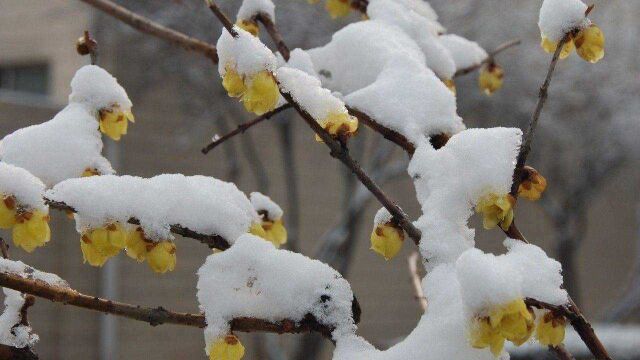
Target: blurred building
x,y
37,61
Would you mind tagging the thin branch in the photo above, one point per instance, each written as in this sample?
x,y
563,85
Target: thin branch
x,y
542,98
415,280
271,28
222,17
243,127
489,59
153,316
212,241
387,133
150,27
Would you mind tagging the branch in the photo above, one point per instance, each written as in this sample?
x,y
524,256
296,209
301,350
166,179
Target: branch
x,y
243,127
271,28
387,133
150,27
213,241
415,280
153,316
489,59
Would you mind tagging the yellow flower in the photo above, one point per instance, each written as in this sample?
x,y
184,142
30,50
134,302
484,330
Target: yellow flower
x,y
233,82
257,230
7,211
88,172
262,93
550,330
387,239
483,335
99,244
339,125
338,8
31,230
249,26
451,85
533,185
137,244
496,209
275,232
550,47
227,348
590,44
114,122
512,321
491,78
162,257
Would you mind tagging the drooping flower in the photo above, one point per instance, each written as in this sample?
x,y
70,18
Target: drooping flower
x,y
491,78
339,124
227,348
387,239
551,329
533,185
233,82
7,211
512,321
257,230
550,47
590,43
114,121
483,335
496,210
249,26
99,244
31,230
88,172
161,257
338,8
137,244
261,94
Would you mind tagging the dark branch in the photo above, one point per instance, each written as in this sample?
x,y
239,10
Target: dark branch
x,y
489,59
271,28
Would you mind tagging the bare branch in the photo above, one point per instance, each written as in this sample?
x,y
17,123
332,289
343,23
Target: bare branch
x,y
271,28
489,59
150,27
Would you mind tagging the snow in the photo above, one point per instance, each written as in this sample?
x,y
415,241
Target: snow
x,y
395,14
26,188
12,333
465,53
251,8
383,216
558,17
308,92
21,269
95,88
202,204
247,281
262,202
449,182
427,107
301,60
66,145
246,54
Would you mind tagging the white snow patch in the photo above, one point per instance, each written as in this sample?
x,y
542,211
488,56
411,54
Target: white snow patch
x,y
26,188
558,17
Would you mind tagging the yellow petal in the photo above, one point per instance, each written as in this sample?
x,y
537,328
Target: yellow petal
x,y
338,8
387,240
249,26
31,230
227,348
136,247
590,44
162,257
491,78
262,93
7,212
233,82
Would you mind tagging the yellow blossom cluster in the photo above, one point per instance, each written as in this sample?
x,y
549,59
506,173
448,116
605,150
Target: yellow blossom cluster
x,y
496,210
387,239
226,348
258,93
272,230
114,121
100,244
30,228
588,43
339,124
514,322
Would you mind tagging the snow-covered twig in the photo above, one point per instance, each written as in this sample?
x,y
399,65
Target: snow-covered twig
x,y
147,26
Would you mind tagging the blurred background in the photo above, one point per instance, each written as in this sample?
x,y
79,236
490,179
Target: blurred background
x,y
587,147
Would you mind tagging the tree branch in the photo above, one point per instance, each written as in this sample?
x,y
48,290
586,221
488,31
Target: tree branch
x,y
271,28
489,59
152,28
153,316
212,241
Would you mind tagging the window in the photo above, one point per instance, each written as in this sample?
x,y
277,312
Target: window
x,y
26,78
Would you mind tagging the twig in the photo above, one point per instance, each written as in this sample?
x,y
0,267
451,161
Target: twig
x,y
222,17
243,127
489,59
387,133
528,137
271,28
213,241
153,316
87,45
415,280
150,27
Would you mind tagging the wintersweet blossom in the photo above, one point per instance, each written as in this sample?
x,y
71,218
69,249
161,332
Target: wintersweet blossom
x,y
551,46
161,256
338,8
31,230
227,348
114,121
7,211
233,82
100,244
496,210
90,172
551,329
491,78
136,244
512,321
249,26
590,43
533,185
339,124
387,239
261,94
